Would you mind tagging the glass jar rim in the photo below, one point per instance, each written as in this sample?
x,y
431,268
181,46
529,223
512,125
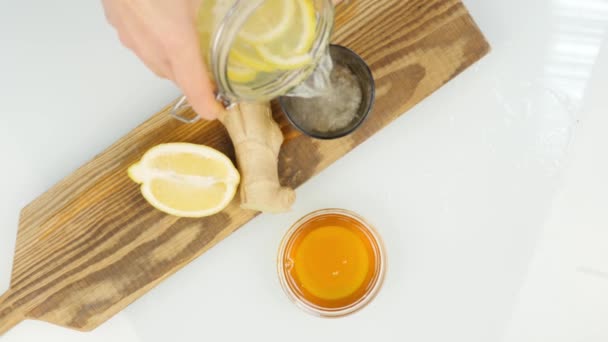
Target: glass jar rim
x,y
376,283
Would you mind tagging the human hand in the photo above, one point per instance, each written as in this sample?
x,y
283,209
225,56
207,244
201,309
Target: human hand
x,y
162,33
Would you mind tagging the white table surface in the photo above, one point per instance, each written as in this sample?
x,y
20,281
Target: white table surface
x,y
491,194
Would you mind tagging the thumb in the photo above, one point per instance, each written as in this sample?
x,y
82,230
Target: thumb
x,y
191,76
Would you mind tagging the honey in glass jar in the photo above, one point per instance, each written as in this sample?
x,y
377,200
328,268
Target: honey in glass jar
x,y
331,262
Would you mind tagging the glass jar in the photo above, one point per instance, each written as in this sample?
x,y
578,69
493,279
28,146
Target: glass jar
x,y
289,256
220,22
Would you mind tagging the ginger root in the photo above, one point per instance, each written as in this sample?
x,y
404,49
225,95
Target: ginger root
x,y
257,140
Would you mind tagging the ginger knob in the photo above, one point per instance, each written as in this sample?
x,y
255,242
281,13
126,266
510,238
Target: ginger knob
x,y
257,141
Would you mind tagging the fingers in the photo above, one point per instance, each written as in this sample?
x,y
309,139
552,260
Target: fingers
x,y
153,59
163,35
109,12
134,35
146,46
191,76
149,53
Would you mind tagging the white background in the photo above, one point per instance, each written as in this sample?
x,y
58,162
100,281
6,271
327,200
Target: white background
x,y
491,195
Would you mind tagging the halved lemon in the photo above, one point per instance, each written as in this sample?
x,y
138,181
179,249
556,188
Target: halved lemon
x,y
186,180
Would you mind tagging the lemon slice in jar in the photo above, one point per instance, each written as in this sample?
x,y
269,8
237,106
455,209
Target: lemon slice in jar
x,y
247,56
277,36
186,180
269,21
241,74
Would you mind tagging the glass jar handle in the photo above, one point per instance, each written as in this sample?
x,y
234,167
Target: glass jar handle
x,y
178,107
182,103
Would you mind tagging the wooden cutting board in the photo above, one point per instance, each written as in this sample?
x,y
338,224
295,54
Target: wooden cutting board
x,y
91,245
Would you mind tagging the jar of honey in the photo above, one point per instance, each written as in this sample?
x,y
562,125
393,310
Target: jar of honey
x,y
331,263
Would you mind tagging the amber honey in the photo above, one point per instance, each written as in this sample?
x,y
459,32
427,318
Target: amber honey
x,y
331,262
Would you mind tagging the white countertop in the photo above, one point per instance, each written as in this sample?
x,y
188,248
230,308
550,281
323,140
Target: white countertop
x,y
491,194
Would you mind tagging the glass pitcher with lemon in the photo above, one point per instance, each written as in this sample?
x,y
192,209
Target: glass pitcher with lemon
x,y
257,50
